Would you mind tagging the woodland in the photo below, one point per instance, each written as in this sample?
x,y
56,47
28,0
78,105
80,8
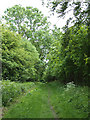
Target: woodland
x,y
45,70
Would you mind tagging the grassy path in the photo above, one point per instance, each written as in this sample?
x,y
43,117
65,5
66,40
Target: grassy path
x,y
51,100
34,104
51,107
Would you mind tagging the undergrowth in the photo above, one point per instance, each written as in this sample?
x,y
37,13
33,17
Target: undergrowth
x,y
11,90
69,101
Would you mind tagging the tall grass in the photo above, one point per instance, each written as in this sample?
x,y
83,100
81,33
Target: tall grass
x,y
69,101
11,90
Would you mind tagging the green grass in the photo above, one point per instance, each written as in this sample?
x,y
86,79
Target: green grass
x,y
33,105
68,101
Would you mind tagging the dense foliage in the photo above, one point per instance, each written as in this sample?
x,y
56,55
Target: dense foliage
x,y
18,57
63,56
69,56
68,59
31,24
12,90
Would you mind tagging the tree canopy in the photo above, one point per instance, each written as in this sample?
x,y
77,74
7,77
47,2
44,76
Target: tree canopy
x,y
31,24
18,57
68,56
34,51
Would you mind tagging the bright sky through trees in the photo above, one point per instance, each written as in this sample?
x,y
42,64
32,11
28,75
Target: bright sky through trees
x,y
35,3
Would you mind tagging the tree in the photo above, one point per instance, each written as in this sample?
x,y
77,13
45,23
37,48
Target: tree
x,y
31,24
81,10
79,33
68,61
18,57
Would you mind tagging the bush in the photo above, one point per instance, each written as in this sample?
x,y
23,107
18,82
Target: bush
x,y
18,57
